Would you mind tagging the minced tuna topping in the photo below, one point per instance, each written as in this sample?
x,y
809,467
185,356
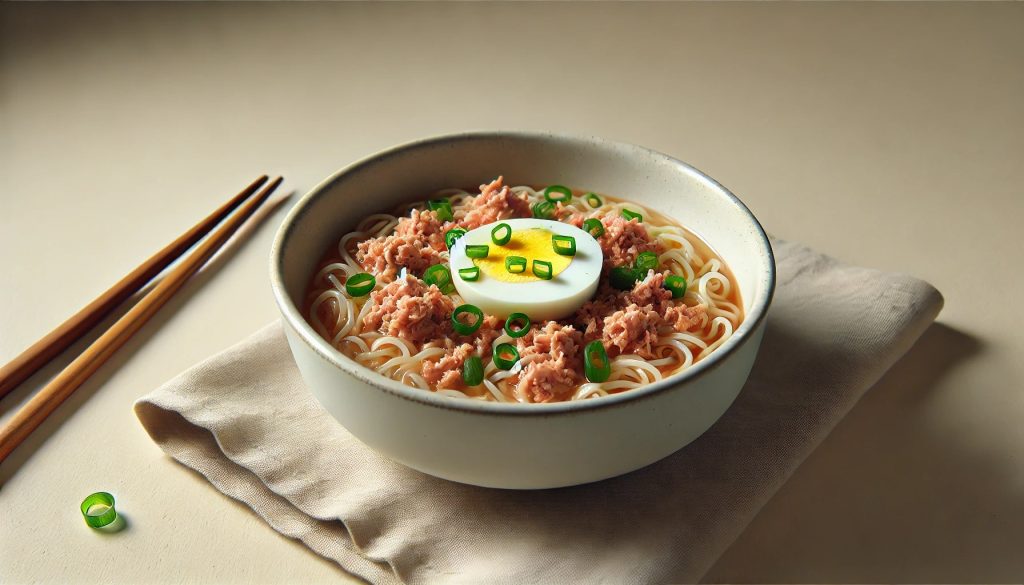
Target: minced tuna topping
x,y
633,330
411,310
495,201
623,240
481,339
384,256
425,228
553,362
447,371
628,321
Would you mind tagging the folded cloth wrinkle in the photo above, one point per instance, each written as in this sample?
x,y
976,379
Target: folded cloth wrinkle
x,y
244,420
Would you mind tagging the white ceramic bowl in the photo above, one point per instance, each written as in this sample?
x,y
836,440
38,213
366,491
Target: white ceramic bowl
x,y
522,445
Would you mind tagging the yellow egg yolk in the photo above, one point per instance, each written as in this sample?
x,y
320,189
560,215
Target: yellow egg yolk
x,y
532,244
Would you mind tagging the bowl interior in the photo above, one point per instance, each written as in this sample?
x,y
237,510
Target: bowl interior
x,y
414,171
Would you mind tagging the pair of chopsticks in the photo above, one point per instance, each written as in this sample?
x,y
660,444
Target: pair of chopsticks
x,y
40,406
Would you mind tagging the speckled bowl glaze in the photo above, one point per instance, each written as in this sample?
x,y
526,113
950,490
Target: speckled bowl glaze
x,y
523,446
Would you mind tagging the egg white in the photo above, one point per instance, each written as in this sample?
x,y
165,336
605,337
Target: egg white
x,y
541,300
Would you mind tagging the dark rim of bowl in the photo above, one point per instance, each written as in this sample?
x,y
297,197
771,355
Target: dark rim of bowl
x,y
305,332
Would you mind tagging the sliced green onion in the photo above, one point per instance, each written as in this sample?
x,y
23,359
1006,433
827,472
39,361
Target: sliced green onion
x,y
622,277
470,274
98,509
515,264
593,200
595,362
478,251
558,194
543,210
439,276
461,326
501,234
676,284
360,285
564,245
646,261
451,235
594,227
443,209
473,371
517,324
632,215
542,269
505,356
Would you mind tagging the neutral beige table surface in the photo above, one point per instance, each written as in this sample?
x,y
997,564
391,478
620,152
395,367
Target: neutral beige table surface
x,y
888,135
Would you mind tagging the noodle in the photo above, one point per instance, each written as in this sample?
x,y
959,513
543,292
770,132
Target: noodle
x,y
339,318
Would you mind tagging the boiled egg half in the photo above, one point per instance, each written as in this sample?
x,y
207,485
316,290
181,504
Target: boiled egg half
x,y
501,292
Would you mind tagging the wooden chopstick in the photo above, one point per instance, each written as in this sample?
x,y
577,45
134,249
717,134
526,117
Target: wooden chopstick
x,y
29,361
78,371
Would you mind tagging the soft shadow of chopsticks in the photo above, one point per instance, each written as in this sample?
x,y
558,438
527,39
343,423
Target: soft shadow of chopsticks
x,y
19,395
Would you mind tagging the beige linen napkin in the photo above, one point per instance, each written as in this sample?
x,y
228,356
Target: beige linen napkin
x,y
244,420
